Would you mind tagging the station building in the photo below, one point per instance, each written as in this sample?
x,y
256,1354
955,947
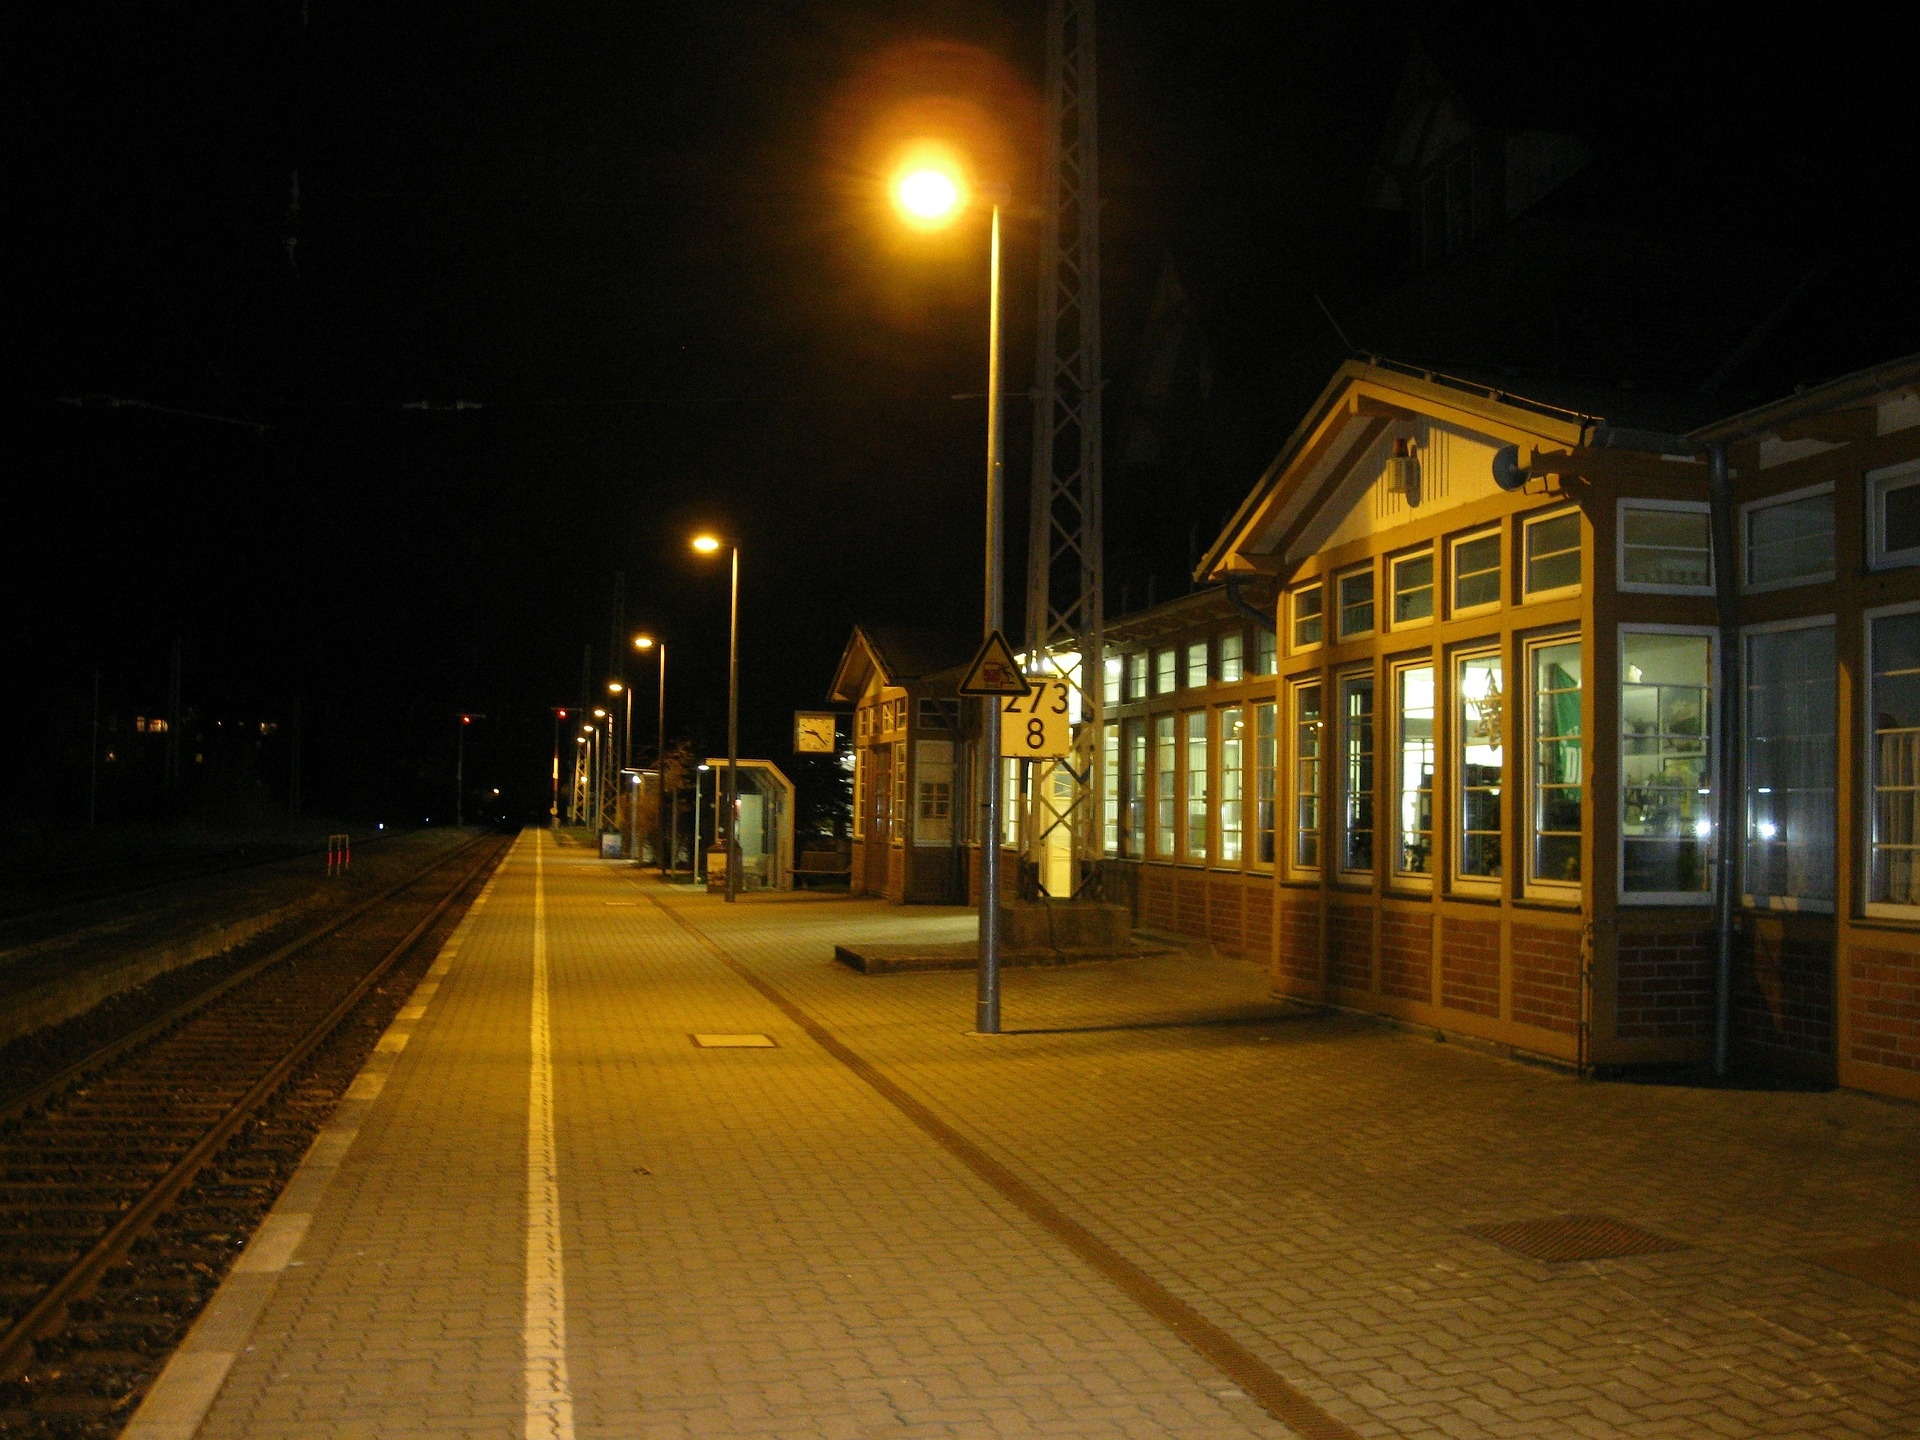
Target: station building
x,y
1507,747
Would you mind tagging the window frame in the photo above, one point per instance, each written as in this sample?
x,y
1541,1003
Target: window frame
x,y
1396,677
924,760
1744,537
1878,483
1165,837
1870,908
1789,903
1345,792
1187,739
1266,786
1394,562
1531,886
1238,740
1678,507
1459,882
1293,865
1236,660
1111,791
1266,658
1156,673
1457,611
1134,793
1356,572
1528,596
1695,899
1205,648
1295,645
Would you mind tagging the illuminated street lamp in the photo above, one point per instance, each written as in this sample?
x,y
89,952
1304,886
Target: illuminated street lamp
x,y
647,642
710,545
930,191
601,744
553,812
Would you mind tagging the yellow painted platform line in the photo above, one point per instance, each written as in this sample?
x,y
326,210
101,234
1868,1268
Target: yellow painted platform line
x,y
549,1403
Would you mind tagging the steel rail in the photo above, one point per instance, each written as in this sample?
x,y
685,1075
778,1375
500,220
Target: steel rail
x,y
47,1313
14,1106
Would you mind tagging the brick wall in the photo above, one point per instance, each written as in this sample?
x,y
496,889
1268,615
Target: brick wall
x,y
1783,990
1406,955
1224,925
1258,900
1350,947
1157,899
1546,977
1884,1009
1665,984
1470,965
1190,903
1300,938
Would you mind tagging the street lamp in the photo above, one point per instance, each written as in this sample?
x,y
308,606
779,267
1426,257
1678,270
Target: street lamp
x,y
647,642
460,769
709,545
553,812
614,687
601,744
929,192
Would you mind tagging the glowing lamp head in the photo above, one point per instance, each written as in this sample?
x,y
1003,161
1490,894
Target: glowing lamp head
x,y
598,713
706,544
928,194
614,687
643,642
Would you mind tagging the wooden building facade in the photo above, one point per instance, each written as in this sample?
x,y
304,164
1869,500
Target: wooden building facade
x,y
1473,770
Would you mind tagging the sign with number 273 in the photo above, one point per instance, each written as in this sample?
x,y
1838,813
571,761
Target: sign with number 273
x,y
1038,726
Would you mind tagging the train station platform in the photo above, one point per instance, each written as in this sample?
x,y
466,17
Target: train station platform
x,y
637,1163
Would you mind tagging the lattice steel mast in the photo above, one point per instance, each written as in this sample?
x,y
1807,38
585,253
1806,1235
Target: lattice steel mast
x,y
1065,573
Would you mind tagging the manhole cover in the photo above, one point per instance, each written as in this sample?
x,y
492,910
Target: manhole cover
x,y
735,1042
1574,1237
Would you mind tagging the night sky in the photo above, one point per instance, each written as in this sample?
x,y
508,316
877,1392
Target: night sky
x,y
635,261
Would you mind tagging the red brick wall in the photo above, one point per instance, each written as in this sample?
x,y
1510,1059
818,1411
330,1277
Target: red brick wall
x,y
1190,902
1665,984
1350,947
1884,1008
1546,977
1258,899
1224,926
1470,965
1300,938
1406,955
1783,990
1156,899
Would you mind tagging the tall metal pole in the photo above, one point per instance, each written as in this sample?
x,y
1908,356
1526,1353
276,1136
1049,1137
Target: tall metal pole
x,y
733,735
460,777
987,1000
1065,579
660,761
553,810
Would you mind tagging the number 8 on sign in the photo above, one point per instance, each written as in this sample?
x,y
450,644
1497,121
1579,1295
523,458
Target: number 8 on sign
x,y
1038,726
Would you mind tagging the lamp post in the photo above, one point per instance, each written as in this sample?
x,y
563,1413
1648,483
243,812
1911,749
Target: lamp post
x,y
647,642
929,192
615,687
460,769
708,545
698,771
602,743
553,811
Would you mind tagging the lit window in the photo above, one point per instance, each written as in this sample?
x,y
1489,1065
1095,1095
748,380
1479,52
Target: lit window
x,y
1233,657
1552,554
1413,782
1792,687
1110,790
1166,785
1413,589
1306,776
1198,764
1264,738
1356,603
1480,745
1306,605
1894,873
900,788
1166,671
1137,676
1895,518
1476,573
1266,656
1666,774
1113,669
1666,546
1789,541
1556,809
1233,750
1356,791
933,817
1197,665
1136,748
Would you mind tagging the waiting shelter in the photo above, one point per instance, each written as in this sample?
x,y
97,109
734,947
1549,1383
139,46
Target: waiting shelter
x,y
766,806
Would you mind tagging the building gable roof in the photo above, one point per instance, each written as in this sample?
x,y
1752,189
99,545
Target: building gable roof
x,y
901,654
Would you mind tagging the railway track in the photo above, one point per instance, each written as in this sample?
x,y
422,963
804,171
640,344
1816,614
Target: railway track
x,y
131,1178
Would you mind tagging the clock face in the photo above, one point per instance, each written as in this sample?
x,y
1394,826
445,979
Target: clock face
x,y
814,734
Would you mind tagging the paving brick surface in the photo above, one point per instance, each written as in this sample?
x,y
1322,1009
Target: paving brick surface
x,y
758,1243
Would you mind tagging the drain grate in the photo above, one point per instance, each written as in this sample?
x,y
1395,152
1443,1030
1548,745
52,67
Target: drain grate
x,y
735,1042
1574,1237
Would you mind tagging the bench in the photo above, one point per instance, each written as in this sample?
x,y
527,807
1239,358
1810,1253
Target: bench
x,y
822,866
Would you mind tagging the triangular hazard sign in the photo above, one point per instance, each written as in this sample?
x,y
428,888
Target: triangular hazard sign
x,y
994,671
